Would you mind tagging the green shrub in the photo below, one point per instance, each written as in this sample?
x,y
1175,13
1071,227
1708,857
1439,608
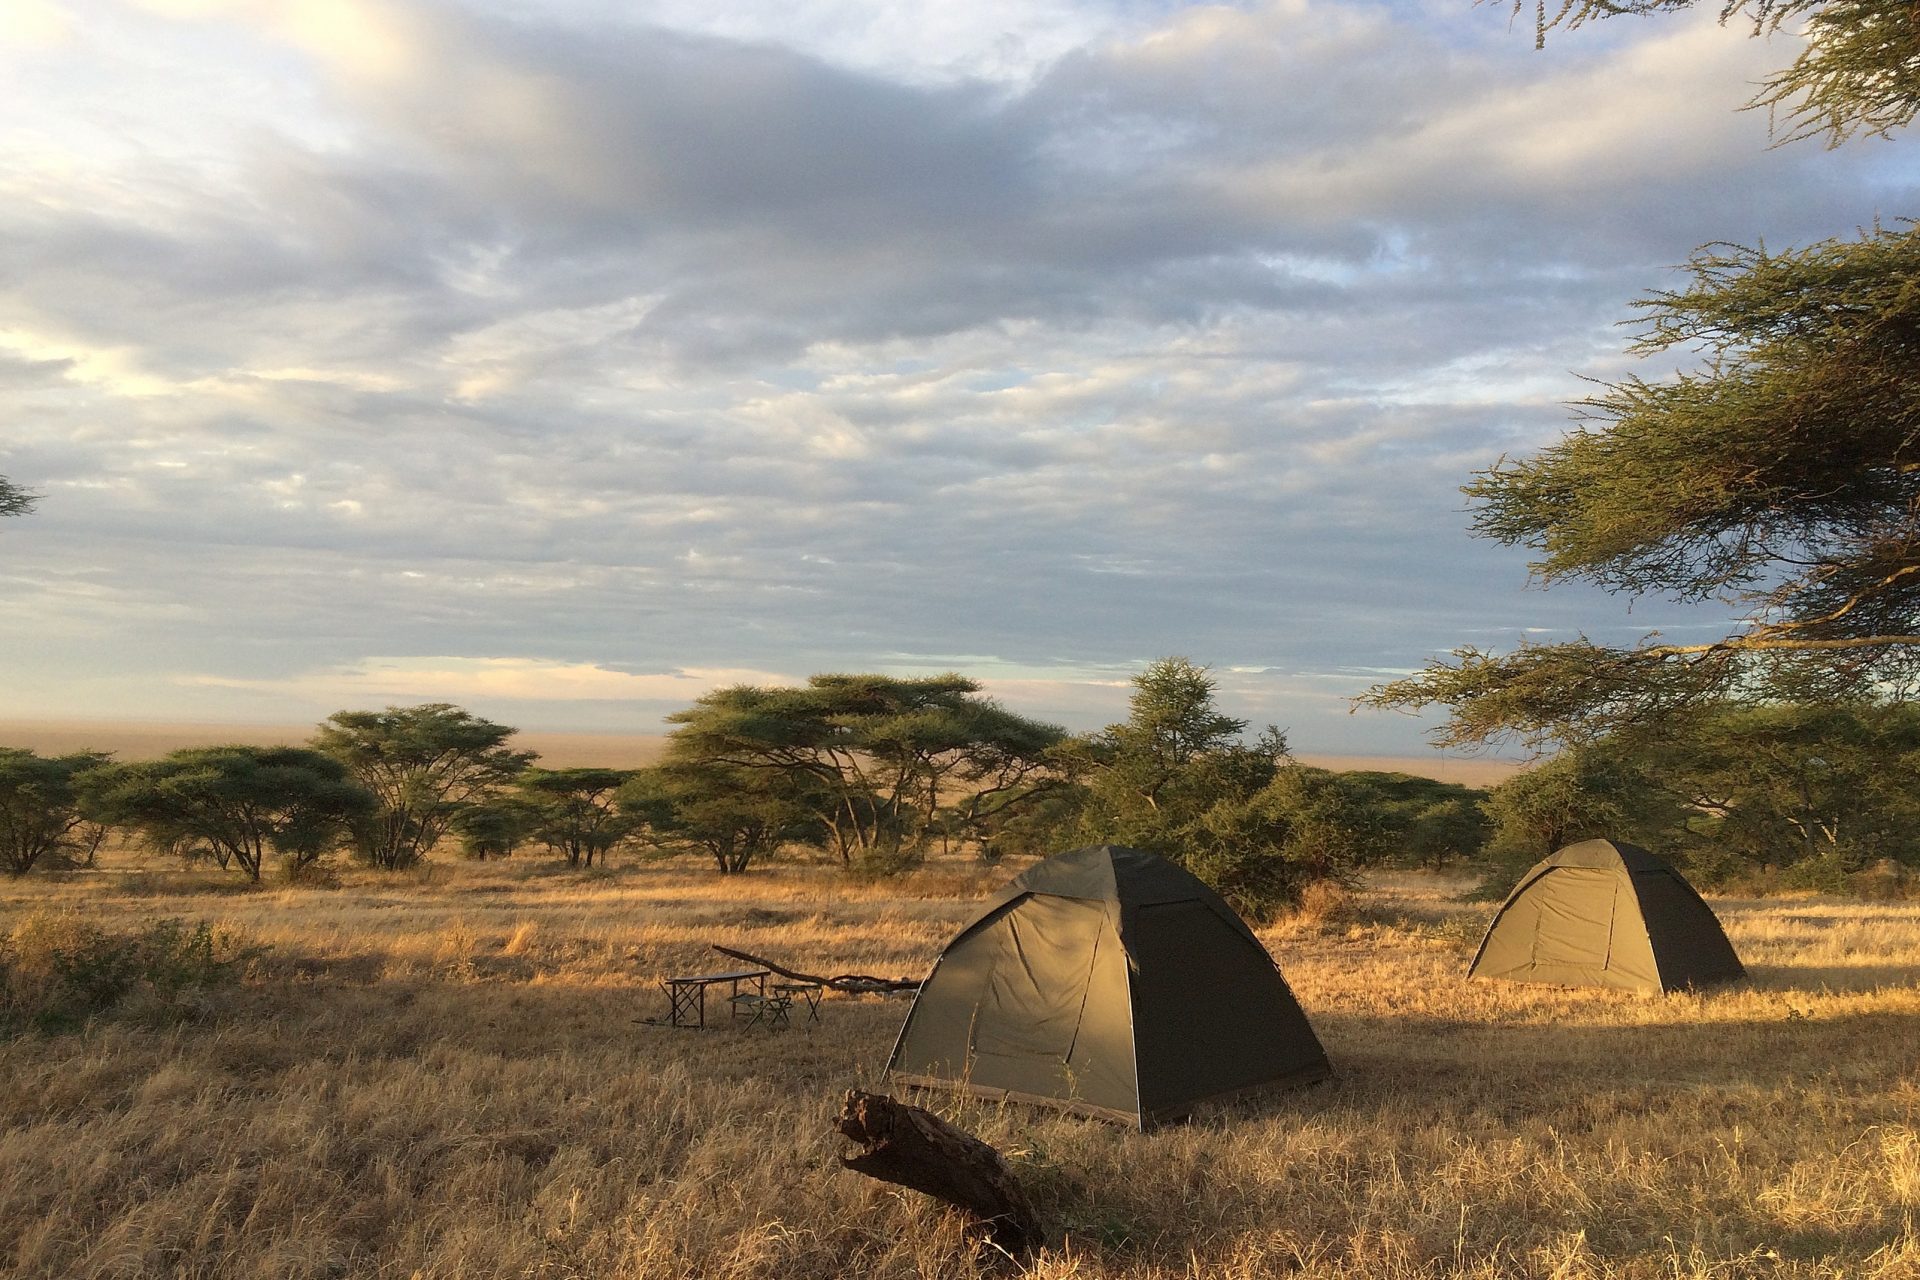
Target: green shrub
x,y
1823,873
306,873
57,971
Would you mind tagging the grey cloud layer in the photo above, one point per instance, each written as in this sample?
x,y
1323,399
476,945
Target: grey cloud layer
x,y
601,343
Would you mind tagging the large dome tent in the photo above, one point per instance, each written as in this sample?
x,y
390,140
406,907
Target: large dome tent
x,y
1603,913
1109,982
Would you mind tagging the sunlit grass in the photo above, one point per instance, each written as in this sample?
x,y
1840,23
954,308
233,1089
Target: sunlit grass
x,y
449,1074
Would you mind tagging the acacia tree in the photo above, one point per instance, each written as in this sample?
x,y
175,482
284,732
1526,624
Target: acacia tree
x,y
887,759
40,805
1785,478
1172,735
492,828
1817,790
733,815
423,764
573,811
1581,794
1177,779
1792,784
1424,822
233,803
1261,849
1781,477
1149,778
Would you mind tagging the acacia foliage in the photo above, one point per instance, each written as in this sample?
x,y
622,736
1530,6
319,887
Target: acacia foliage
x,y
1815,791
1821,788
1778,477
1425,822
40,804
736,816
1592,792
232,804
573,813
1176,778
1783,477
492,828
890,765
423,765
15,501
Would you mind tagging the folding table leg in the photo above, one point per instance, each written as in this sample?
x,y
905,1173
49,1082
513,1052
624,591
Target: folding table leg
x,y
687,1005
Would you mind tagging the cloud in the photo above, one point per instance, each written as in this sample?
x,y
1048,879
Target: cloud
x,y
458,679
770,340
30,25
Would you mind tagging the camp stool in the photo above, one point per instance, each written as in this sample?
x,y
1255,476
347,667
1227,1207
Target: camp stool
x,y
808,991
771,1009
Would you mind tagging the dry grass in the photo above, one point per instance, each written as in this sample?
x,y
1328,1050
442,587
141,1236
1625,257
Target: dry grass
x,y
445,1075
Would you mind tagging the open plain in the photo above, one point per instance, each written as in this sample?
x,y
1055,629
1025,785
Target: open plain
x,y
450,1073
147,739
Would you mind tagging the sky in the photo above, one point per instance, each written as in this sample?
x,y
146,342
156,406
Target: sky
x,y
567,359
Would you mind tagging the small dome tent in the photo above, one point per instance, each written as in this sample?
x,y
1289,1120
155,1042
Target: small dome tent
x,y
1107,982
1606,914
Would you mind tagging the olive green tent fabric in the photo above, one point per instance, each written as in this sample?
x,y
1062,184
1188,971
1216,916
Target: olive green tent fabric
x,y
1606,914
1110,982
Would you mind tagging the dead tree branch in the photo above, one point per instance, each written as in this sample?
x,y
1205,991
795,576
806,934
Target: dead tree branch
x,y
914,1148
852,983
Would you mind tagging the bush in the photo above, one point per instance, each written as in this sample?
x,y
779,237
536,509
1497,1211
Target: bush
x,y
1327,903
1886,881
57,971
306,873
884,863
1823,873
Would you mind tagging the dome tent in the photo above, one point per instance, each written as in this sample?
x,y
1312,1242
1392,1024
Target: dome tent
x,y
1108,982
1606,914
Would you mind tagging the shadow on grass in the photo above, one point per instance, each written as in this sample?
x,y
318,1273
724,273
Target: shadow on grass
x,y
1832,979
1642,1118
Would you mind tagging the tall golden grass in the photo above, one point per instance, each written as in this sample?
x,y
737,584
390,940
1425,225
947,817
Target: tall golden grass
x,y
446,1074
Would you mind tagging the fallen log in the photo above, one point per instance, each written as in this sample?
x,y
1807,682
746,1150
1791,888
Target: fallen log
x,y
914,1148
858,984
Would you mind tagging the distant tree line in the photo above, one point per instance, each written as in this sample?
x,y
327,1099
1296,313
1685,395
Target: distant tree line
x,y
874,774
869,773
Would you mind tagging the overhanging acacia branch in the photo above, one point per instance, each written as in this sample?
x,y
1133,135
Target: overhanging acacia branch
x,y
1554,694
1768,643
1852,602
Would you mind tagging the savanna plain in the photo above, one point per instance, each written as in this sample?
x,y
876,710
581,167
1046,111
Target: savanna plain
x,y
450,1073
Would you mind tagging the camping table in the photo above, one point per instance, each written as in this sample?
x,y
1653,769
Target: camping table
x,y
687,996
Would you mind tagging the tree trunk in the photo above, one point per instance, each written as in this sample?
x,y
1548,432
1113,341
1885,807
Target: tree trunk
x,y
914,1148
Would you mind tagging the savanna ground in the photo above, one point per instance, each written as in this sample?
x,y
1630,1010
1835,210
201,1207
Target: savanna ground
x,y
446,1074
